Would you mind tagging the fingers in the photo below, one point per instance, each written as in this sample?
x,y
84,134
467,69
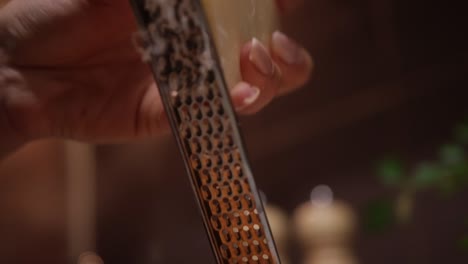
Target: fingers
x,y
24,17
294,61
243,96
21,17
90,258
262,75
267,74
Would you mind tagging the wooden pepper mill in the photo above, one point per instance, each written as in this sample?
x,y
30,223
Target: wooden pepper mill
x,y
325,228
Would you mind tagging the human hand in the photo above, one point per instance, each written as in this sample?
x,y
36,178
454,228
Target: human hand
x,y
74,72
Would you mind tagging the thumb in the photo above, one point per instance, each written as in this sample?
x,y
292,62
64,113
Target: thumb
x,y
20,17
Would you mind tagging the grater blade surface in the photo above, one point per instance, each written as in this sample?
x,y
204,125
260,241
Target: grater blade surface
x,y
185,64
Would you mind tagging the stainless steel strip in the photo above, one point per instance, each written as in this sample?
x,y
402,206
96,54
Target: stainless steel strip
x,y
186,68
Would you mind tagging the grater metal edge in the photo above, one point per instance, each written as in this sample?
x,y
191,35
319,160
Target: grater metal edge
x,y
193,89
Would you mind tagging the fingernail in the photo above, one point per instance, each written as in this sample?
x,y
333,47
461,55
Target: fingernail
x,y
260,58
244,95
287,49
253,94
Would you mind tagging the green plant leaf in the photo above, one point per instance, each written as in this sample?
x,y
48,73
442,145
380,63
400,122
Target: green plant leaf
x,y
464,243
447,186
461,133
427,175
452,154
391,172
455,180
460,172
379,216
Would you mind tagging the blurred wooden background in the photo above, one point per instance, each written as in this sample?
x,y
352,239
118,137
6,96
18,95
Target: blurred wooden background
x,y
391,76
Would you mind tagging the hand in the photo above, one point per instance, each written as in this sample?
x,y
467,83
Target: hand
x,y
74,72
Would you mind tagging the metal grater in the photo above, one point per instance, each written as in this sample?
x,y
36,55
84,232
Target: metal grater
x,y
186,68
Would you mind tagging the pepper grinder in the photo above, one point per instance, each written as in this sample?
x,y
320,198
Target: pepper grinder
x,y
325,227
